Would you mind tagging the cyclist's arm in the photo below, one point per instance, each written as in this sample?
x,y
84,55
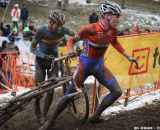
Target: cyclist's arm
x,y
71,41
83,33
35,51
68,32
36,40
118,46
120,49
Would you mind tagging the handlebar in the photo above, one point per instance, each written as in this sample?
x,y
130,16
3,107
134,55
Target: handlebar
x,y
71,55
136,63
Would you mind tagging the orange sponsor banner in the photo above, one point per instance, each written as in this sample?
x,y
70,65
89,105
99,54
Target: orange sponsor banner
x,y
146,49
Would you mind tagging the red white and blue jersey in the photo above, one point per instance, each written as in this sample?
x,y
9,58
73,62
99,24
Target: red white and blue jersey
x,y
96,40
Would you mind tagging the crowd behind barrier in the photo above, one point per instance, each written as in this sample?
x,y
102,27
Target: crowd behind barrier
x,y
137,30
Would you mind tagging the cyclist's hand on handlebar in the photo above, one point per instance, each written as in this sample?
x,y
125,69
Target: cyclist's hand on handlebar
x,y
72,54
78,89
131,59
49,57
79,51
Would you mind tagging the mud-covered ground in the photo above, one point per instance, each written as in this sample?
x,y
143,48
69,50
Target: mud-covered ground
x,y
145,118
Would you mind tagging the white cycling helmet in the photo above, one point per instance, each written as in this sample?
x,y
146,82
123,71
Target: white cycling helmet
x,y
56,16
107,7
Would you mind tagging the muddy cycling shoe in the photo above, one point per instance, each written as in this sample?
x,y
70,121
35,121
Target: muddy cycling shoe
x,y
43,119
94,120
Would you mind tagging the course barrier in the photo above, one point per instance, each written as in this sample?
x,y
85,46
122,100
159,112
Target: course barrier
x,y
16,70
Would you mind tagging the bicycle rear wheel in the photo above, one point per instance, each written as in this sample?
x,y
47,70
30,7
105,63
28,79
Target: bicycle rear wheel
x,y
79,107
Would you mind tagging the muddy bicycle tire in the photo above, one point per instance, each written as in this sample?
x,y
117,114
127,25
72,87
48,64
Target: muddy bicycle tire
x,y
79,107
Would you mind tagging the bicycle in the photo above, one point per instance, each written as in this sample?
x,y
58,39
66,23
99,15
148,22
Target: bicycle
x,y
79,106
18,103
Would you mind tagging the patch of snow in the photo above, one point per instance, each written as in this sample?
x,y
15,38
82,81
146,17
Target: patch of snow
x,y
4,98
81,2
135,103
156,0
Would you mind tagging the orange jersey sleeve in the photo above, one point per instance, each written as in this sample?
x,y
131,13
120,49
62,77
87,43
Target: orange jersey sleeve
x,y
96,40
116,44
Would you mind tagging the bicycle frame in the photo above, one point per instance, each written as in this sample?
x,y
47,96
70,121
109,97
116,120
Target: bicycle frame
x,y
15,104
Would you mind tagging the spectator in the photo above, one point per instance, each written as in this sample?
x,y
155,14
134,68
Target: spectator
x,y
136,29
24,16
1,49
5,30
32,29
120,33
1,56
147,30
14,35
26,32
126,31
10,46
15,14
64,5
5,73
31,26
93,18
4,42
29,31
59,4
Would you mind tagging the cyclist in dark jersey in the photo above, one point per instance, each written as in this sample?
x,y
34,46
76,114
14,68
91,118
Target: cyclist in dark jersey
x,y
45,46
96,39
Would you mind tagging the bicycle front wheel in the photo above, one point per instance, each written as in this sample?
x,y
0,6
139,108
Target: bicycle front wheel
x,y
79,107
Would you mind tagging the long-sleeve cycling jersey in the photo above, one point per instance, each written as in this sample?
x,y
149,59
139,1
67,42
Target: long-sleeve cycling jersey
x,y
96,40
43,38
44,33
